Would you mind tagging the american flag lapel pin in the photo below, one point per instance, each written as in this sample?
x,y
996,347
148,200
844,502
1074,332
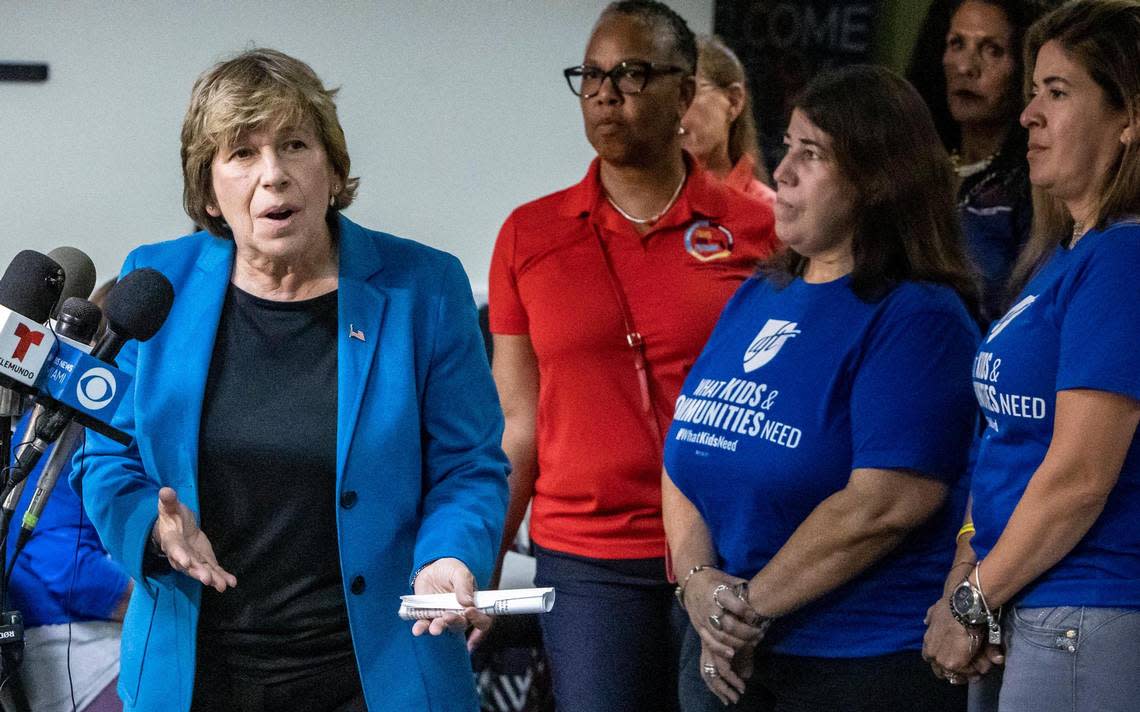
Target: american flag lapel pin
x,y
354,333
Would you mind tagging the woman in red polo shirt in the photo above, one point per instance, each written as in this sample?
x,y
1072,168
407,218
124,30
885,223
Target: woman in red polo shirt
x,y
601,297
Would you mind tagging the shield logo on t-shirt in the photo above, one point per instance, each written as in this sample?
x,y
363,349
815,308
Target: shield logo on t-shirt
x,y
773,335
708,241
1012,314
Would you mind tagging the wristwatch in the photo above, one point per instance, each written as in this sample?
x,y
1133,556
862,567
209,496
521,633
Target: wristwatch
x,y
967,605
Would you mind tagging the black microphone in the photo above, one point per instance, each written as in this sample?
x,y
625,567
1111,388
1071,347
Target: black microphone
x,y
78,275
135,308
31,285
78,321
29,288
28,291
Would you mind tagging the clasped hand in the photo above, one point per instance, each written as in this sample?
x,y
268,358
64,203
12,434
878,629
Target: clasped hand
x,y
956,653
728,629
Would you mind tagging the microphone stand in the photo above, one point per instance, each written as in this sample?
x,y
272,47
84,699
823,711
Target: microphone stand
x,y
11,622
10,409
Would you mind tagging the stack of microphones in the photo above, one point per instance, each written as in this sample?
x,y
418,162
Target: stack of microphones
x,y
52,363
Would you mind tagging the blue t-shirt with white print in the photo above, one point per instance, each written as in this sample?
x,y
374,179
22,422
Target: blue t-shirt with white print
x,y
1075,325
796,388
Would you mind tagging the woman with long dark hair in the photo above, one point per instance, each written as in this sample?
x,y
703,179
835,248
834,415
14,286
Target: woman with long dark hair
x,y
813,457
975,96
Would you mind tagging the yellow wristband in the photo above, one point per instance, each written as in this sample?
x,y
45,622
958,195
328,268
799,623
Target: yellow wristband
x,y
967,528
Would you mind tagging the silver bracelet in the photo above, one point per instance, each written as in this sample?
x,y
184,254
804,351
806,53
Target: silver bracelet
x,y
759,620
679,592
993,622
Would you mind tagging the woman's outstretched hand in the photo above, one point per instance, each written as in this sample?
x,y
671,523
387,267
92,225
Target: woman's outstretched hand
x,y
185,546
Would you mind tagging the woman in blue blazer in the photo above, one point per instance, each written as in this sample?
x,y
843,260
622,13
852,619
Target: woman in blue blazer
x,y
315,432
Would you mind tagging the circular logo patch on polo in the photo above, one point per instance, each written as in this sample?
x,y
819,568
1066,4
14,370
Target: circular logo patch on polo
x,y
708,241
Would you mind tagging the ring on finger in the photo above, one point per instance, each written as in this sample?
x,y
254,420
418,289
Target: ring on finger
x,y
714,621
710,671
716,595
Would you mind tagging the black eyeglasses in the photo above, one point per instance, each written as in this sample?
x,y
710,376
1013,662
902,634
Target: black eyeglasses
x,y
628,77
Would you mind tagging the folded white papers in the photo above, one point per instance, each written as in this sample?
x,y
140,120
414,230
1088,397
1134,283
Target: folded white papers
x,y
511,602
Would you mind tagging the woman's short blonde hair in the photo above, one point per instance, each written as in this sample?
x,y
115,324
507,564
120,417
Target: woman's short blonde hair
x,y
259,88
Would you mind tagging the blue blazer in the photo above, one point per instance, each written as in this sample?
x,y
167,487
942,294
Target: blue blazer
x,y
418,433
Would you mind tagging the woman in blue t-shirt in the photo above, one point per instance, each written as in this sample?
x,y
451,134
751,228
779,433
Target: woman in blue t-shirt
x,y
1055,493
815,448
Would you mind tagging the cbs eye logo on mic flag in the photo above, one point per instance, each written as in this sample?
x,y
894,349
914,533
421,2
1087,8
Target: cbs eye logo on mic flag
x,y
92,387
96,388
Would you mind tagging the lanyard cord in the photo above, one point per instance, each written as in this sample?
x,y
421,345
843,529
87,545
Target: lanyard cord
x,y
633,339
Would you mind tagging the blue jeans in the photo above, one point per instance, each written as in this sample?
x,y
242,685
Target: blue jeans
x,y
1065,658
613,636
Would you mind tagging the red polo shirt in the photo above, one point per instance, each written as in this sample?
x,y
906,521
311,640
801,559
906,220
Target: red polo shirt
x,y
598,492
743,178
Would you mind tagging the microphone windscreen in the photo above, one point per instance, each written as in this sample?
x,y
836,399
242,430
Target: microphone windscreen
x,y
78,319
78,274
31,285
138,304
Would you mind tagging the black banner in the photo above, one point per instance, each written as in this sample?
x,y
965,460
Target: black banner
x,y
784,43
23,72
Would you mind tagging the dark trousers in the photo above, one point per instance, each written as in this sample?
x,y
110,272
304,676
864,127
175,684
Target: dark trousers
x,y
613,637
330,690
900,682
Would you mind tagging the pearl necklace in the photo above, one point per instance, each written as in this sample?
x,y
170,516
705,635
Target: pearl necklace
x,y
654,218
965,170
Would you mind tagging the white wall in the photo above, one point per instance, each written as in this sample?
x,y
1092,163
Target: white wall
x,y
455,112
